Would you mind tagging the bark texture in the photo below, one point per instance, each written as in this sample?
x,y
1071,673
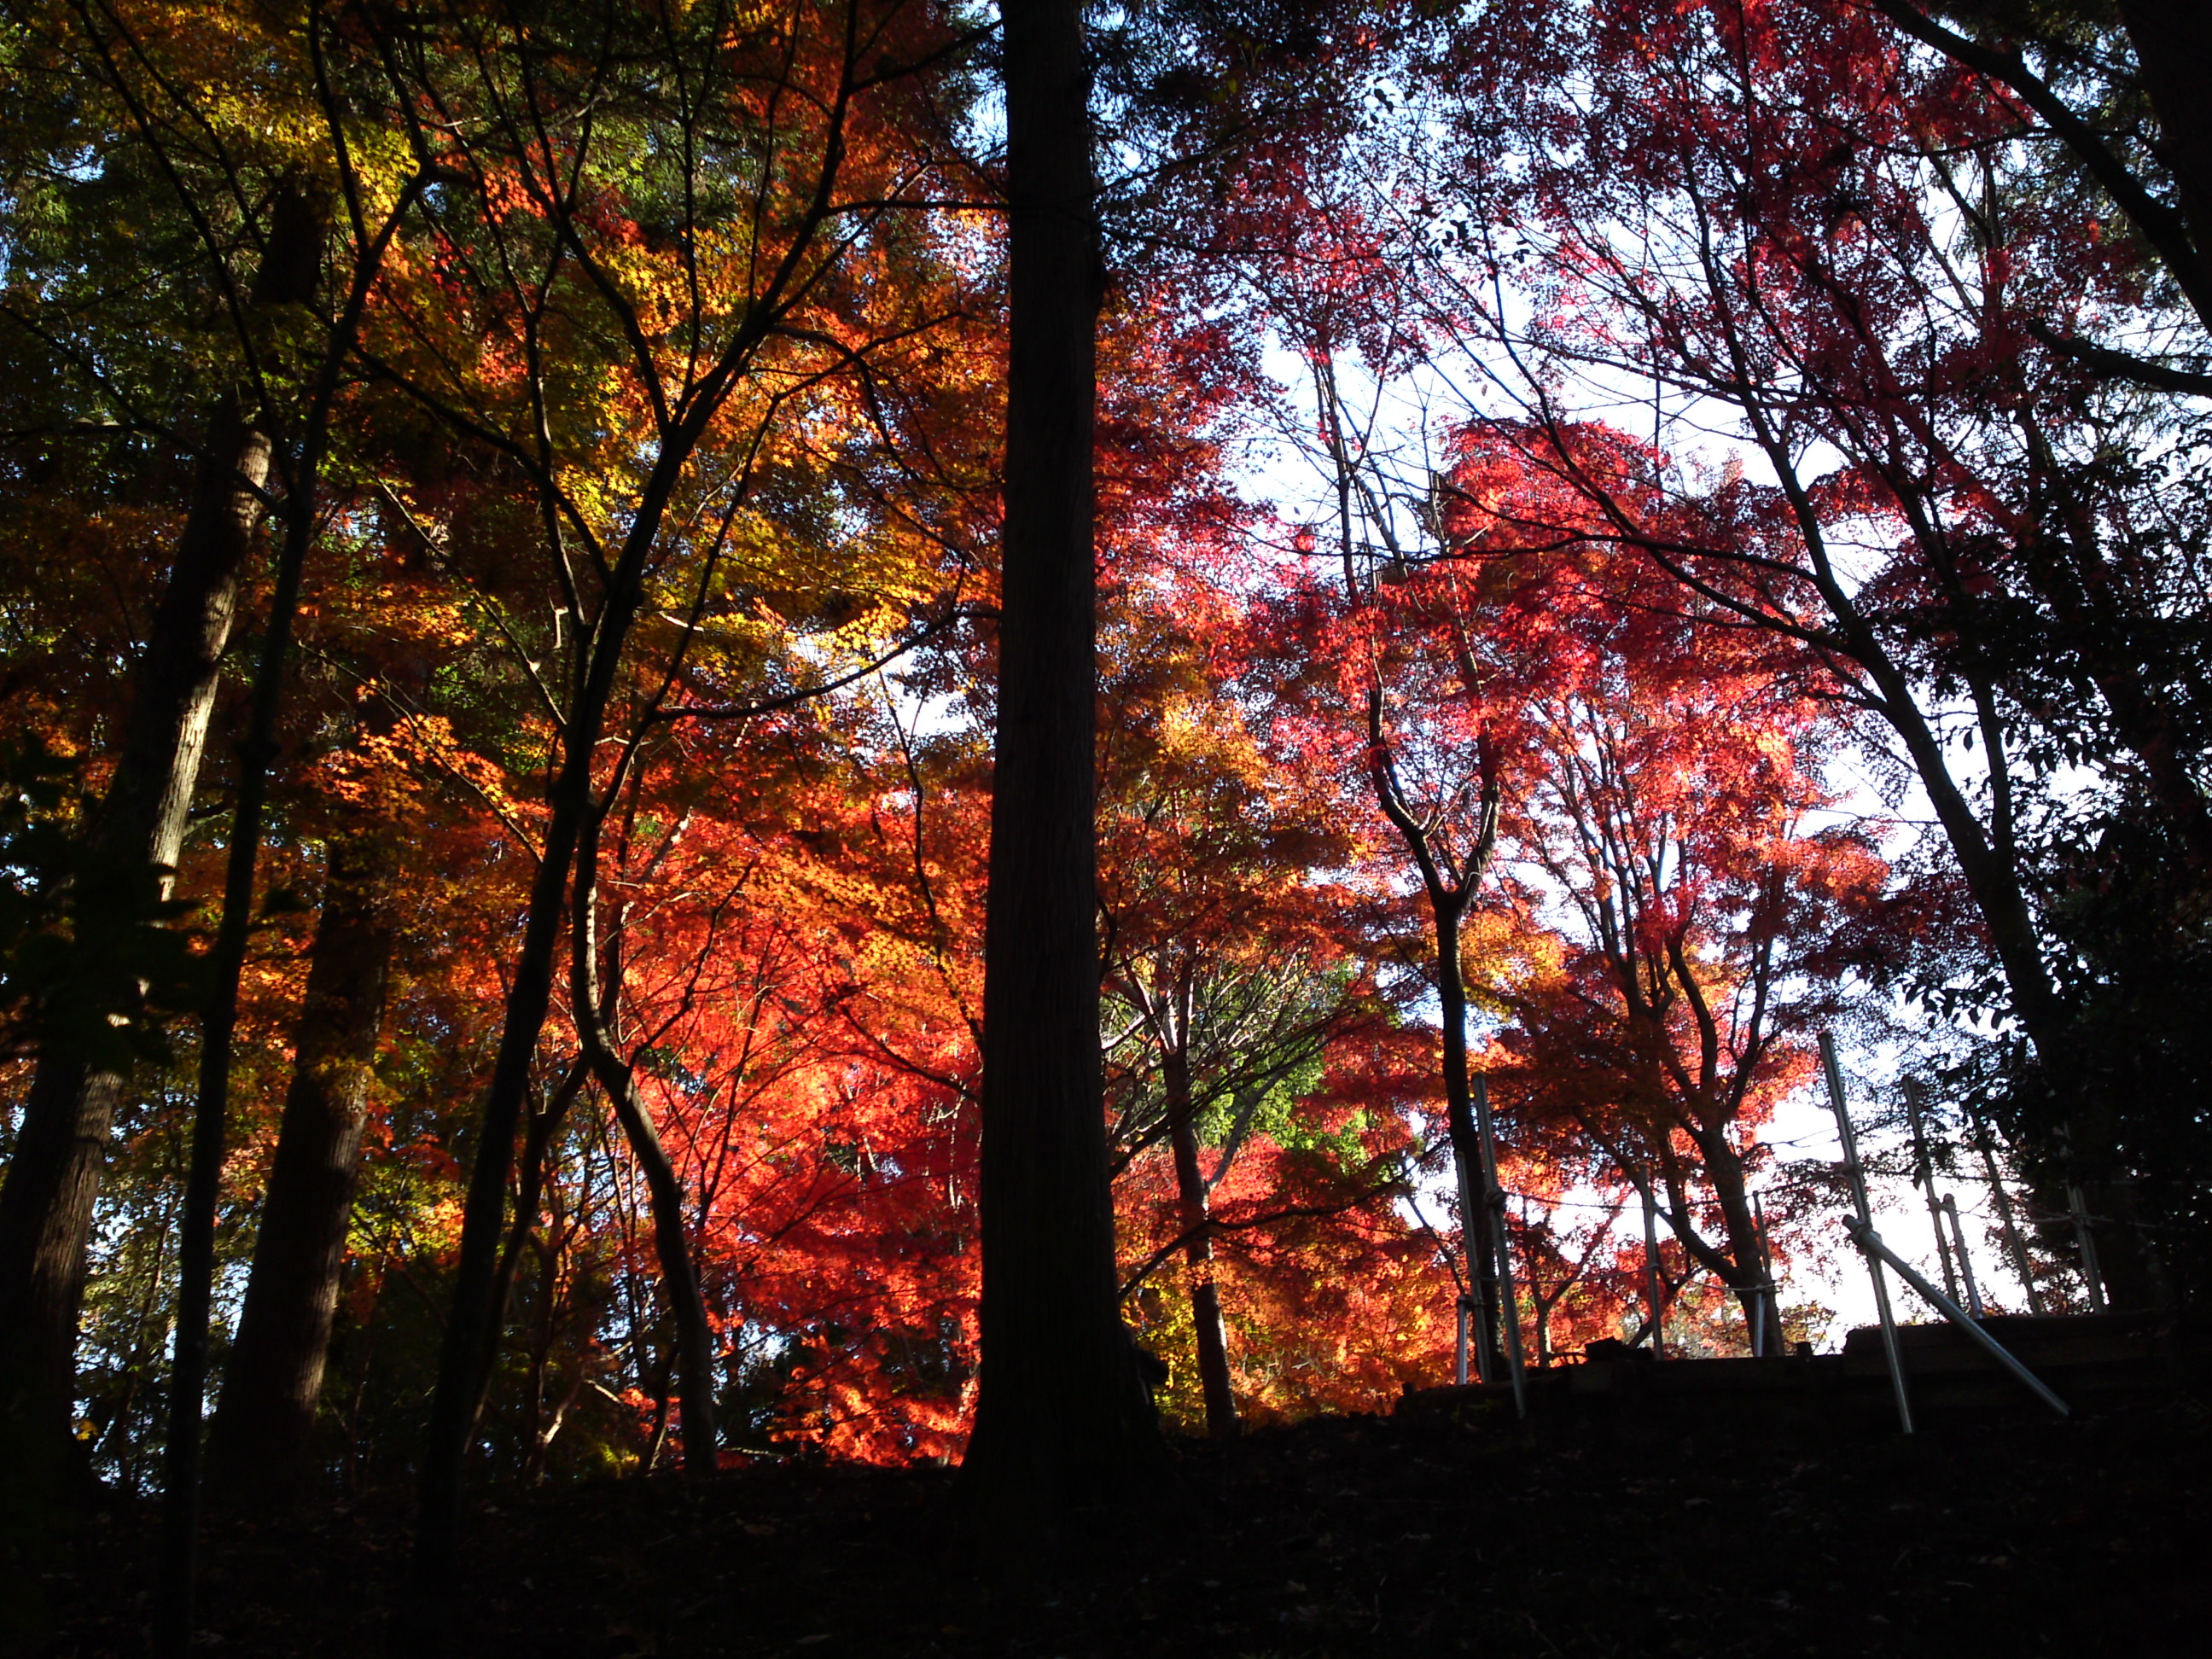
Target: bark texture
x,y
53,1180
1063,1417
263,1439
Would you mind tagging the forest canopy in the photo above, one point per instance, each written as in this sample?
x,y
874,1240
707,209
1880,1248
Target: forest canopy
x,y
1426,594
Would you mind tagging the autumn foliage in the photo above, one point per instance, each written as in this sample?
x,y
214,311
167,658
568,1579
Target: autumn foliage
x,y
1628,535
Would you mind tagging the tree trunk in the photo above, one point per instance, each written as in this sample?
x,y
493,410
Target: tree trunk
x,y
1746,1273
1466,1138
2173,42
545,1123
1992,878
1449,898
680,1274
1063,1416
262,1441
46,1208
1198,1254
46,1204
466,1354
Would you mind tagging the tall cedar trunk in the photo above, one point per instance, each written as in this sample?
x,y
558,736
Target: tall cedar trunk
x,y
185,1440
1198,1254
679,1273
53,1179
262,1441
1063,1415
2174,43
45,1208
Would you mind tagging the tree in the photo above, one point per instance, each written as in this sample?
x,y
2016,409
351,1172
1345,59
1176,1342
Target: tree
x,y
1062,1417
262,1439
1704,927
713,294
268,430
2172,215
2023,609
1230,967
47,1205
1398,636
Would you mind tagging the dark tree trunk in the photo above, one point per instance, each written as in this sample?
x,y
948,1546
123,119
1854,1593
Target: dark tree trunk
x,y
683,416
680,1274
1448,895
471,1335
1746,1273
1465,1135
472,1328
262,1441
53,1179
1990,869
472,1331
1063,1416
2174,43
1198,1253
545,1121
45,1208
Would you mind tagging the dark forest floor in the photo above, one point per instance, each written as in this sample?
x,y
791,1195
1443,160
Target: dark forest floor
x,y
1343,1536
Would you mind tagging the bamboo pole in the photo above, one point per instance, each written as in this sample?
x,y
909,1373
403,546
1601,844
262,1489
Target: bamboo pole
x,y
2092,1274
1924,1177
1855,1174
2016,1246
1965,1261
1870,1241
